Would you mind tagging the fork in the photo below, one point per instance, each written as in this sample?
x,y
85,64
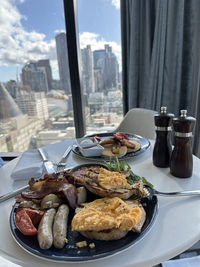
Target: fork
x,y
152,191
61,164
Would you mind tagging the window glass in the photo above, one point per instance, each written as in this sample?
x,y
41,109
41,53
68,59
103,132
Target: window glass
x,y
35,92
100,46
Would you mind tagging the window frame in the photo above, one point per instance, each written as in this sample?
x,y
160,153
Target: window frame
x,y
71,24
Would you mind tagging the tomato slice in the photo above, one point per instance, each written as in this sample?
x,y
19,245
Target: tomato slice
x,y
118,137
97,137
35,215
24,223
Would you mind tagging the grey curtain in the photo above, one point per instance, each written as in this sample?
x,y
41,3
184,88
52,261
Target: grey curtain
x,y
161,56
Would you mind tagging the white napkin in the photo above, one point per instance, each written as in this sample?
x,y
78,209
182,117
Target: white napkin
x,y
28,166
186,262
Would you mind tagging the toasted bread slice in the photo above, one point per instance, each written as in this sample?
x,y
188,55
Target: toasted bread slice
x,y
136,203
133,146
107,152
137,190
123,191
115,234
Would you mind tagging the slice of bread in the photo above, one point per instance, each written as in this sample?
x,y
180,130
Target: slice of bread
x,y
115,234
107,152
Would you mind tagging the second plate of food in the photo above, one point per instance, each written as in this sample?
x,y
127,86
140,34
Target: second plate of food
x,y
121,145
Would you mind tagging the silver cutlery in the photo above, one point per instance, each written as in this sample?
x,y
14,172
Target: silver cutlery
x,y
61,164
152,191
47,163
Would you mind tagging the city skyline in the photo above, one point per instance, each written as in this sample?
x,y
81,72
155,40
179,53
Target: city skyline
x,y
99,70
28,38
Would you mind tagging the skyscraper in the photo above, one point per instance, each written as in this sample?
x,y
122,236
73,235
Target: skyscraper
x,y
99,61
87,70
33,104
46,64
63,64
35,77
8,107
105,64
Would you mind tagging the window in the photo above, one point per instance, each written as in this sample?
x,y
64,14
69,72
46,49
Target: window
x,y
35,92
100,46
36,103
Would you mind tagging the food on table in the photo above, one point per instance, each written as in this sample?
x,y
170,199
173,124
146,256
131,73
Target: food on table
x,y
106,219
52,185
82,195
118,145
113,151
134,204
35,215
28,204
45,233
50,201
44,205
60,226
24,223
81,244
112,184
79,174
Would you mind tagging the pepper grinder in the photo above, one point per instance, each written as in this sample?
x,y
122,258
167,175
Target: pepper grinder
x,y
181,159
162,148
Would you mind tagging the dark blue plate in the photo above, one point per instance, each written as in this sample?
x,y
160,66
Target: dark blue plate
x,y
70,253
144,142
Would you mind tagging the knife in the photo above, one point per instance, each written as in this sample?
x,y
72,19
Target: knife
x,y
47,163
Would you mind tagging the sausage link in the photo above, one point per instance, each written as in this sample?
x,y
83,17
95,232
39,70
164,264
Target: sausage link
x,y
60,226
45,236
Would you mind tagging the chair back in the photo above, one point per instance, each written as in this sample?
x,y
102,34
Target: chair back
x,y
139,121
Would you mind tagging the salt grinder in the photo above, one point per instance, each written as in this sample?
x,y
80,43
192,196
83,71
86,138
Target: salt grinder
x,y
162,148
181,159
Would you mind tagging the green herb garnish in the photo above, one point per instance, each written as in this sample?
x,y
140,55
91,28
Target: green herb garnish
x,y
123,166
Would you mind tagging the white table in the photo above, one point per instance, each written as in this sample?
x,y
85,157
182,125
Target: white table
x,y
177,226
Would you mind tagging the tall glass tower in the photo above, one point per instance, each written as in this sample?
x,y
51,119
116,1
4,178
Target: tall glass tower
x,y
63,64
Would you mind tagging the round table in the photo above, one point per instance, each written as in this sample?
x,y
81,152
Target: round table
x,y
177,226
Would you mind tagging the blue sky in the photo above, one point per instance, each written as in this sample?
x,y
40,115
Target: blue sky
x,y
28,29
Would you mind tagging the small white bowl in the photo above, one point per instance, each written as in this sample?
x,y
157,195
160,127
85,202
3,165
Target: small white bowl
x,y
88,148
94,151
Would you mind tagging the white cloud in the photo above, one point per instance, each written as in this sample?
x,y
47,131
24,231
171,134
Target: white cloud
x,y
116,3
59,31
17,46
97,42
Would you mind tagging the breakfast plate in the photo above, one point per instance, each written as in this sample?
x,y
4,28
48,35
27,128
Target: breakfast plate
x,y
143,142
99,249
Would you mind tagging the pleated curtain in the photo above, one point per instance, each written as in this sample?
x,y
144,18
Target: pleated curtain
x,y
161,56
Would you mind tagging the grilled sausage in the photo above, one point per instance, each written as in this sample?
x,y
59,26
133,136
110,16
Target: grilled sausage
x,y
60,226
45,236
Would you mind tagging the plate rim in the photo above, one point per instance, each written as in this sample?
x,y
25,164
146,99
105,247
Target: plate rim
x,y
125,157
88,258
102,256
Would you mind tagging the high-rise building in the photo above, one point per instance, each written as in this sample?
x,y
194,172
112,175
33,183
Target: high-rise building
x,y
111,69
46,64
35,77
106,69
13,88
87,70
16,128
63,64
33,104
